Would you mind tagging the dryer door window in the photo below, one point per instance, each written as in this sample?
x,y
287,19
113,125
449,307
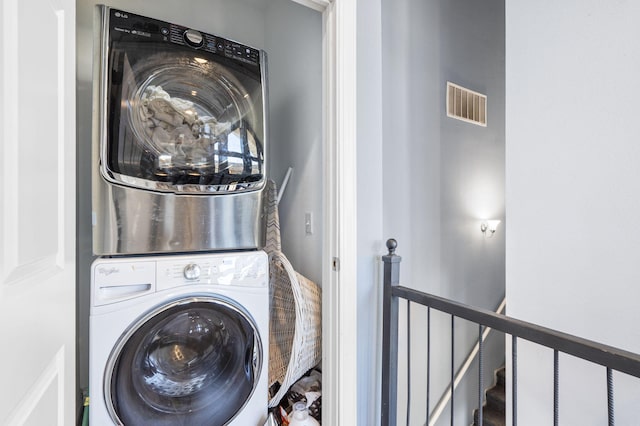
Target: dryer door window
x,y
180,118
195,361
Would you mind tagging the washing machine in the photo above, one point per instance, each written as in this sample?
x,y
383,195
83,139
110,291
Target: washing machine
x,y
179,340
179,138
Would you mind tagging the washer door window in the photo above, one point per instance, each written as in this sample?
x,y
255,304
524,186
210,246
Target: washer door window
x,y
196,361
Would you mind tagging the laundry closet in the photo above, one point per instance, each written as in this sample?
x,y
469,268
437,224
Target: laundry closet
x,y
291,36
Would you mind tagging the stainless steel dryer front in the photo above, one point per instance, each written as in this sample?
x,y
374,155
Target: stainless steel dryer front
x,y
179,140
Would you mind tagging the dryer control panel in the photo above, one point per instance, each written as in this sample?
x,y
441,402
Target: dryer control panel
x,y
131,27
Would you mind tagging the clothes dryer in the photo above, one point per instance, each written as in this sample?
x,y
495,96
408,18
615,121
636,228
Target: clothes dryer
x,y
179,340
179,139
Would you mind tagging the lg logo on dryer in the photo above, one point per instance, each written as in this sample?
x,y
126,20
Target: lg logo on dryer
x,y
121,15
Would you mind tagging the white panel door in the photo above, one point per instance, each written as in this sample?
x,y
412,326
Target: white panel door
x,y
37,212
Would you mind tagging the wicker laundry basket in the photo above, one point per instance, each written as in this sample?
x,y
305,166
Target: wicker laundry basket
x,y
295,328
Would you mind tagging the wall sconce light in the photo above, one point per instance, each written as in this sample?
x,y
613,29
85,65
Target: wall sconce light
x,y
488,227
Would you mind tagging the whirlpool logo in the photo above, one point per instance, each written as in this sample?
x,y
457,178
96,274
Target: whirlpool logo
x,y
108,270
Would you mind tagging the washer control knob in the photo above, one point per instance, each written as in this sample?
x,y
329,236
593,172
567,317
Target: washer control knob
x,y
192,271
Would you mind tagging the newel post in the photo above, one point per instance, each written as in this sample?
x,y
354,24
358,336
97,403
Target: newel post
x,y
388,412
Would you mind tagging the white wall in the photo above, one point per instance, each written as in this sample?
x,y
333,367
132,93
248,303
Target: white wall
x,y
572,195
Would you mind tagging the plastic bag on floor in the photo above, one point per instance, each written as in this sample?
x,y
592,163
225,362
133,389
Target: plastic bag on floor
x,y
309,390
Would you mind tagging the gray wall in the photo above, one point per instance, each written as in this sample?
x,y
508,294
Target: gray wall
x,y
370,245
443,176
572,196
293,40
292,36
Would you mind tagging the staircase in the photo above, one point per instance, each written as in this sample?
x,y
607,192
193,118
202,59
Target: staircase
x,y
493,411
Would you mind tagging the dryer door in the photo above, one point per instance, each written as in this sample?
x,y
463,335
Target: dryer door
x,y
194,361
181,117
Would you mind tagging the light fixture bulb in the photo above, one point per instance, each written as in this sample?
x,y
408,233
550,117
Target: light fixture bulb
x,y
488,227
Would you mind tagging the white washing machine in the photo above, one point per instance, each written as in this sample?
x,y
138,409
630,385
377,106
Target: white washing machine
x,y
179,339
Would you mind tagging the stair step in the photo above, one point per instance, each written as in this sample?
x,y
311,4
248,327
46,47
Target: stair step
x,y
500,376
490,418
496,398
493,411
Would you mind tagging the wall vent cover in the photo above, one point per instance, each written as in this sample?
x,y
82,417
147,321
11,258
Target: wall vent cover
x,y
466,105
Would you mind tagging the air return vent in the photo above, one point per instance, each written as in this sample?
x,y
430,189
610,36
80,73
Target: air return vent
x,y
466,105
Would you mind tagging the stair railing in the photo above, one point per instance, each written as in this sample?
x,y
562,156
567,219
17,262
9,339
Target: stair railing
x,y
446,395
613,359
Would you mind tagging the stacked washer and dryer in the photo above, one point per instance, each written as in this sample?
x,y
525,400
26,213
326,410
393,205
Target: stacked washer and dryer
x,y
179,312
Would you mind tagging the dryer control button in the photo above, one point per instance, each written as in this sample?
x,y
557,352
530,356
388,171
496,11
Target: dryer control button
x,y
193,38
192,271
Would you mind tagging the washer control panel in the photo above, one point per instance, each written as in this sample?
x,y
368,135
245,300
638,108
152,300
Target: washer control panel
x,y
116,280
244,269
192,271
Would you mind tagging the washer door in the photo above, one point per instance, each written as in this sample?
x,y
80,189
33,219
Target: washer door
x,y
195,361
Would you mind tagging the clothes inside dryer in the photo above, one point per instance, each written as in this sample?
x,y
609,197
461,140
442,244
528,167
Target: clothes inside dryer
x,y
182,118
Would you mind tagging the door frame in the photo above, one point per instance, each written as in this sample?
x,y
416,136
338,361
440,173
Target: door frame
x,y
339,274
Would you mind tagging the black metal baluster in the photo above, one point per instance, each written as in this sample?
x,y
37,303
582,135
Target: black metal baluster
x,y
514,380
388,409
408,361
452,366
480,374
556,388
428,359
610,397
